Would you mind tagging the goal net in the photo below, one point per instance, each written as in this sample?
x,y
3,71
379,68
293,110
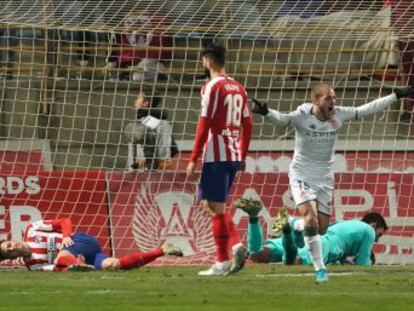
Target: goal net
x,y
72,141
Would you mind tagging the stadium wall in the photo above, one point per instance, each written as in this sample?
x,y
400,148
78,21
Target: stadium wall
x,y
130,210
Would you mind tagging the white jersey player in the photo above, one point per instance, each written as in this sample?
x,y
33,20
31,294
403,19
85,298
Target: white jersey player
x,y
311,179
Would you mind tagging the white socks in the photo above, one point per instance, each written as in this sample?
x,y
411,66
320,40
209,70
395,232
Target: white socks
x,y
314,243
298,224
224,265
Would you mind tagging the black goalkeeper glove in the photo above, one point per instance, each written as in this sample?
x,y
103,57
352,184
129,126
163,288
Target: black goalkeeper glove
x,y
259,107
372,258
404,92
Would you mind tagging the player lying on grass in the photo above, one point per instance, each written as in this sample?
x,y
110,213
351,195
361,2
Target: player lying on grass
x,y
311,177
351,238
51,245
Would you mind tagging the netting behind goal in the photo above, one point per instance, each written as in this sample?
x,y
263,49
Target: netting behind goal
x,y
71,70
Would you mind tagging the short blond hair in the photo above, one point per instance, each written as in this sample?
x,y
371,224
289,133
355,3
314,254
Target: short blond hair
x,y
319,90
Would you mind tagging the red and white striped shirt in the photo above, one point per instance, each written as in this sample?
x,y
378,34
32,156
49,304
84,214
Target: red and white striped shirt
x,y
44,238
225,127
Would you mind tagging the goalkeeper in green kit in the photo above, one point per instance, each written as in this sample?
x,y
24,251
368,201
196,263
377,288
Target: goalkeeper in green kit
x,y
350,239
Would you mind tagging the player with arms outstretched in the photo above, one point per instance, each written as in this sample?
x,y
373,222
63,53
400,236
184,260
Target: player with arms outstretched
x,y
311,177
223,137
51,245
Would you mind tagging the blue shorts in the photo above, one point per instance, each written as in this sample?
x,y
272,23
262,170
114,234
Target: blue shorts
x,y
216,180
87,246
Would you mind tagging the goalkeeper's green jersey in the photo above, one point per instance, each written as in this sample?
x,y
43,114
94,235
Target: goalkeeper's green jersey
x,y
352,238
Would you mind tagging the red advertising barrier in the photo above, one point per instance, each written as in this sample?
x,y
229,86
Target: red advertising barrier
x,y
79,195
148,208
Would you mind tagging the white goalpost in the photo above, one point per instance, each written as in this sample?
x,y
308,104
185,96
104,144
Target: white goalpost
x,y
70,72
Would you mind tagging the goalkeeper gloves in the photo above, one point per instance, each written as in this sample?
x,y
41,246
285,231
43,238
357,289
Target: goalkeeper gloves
x,y
404,92
259,107
372,258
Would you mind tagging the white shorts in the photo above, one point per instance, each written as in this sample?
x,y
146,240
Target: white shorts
x,y
304,192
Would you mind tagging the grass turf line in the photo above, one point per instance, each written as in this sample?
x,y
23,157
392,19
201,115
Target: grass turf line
x,y
257,287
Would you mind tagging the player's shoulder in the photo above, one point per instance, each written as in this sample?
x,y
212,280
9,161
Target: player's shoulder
x,y
216,81
341,109
353,222
365,230
359,222
233,82
359,225
345,111
342,224
227,84
302,110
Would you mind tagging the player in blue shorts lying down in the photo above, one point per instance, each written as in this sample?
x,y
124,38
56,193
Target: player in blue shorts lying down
x,y
51,245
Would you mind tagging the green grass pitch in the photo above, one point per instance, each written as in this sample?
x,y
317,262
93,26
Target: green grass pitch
x,y
257,287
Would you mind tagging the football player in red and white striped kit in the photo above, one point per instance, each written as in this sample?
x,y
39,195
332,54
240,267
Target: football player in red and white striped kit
x,y
51,245
223,137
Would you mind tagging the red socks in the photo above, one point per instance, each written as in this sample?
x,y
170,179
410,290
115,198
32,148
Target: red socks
x,y
234,235
63,262
67,261
221,236
139,259
225,235
135,260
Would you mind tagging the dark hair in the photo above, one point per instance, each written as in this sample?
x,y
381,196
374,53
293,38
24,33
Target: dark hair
x,y
155,101
2,257
153,109
375,218
216,53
